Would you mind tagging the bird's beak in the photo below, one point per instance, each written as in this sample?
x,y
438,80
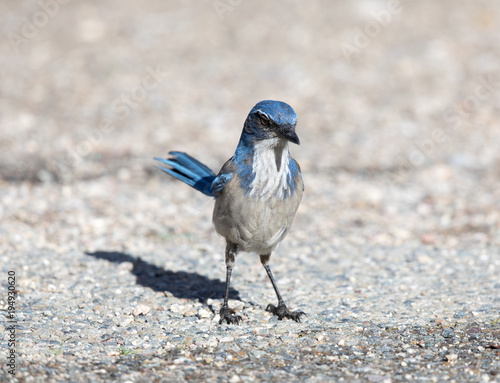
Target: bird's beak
x,y
290,135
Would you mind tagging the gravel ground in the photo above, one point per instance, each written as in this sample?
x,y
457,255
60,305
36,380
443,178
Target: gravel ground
x,y
394,253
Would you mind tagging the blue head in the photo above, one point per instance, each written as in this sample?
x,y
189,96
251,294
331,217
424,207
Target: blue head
x,y
270,119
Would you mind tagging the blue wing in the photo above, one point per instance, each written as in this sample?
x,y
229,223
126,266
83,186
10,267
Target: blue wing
x,y
220,182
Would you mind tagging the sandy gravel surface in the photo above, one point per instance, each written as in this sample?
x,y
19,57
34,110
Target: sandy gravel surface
x,y
394,253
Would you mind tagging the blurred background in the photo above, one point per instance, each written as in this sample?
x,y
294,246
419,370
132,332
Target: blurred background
x,y
398,105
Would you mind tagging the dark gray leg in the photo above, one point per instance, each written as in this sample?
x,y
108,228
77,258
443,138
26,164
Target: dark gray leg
x,y
281,311
226,314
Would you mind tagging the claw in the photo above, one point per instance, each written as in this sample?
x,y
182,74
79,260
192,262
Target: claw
x,y
229,316
282,312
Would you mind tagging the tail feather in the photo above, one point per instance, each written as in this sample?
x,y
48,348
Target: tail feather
x,y
191,163
190,171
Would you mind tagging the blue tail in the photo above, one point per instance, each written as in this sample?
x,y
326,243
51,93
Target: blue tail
x,y
191,171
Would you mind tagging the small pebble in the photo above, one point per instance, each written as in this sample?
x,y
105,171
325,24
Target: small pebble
x,y
141,309
448,333
451,357
203,313
125,322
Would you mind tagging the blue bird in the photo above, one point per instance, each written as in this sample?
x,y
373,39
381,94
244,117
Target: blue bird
x,y
257,192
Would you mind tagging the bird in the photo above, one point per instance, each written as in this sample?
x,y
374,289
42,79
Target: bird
x,y
257,193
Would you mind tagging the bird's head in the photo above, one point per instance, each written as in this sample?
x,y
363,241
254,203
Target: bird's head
x,y
271,119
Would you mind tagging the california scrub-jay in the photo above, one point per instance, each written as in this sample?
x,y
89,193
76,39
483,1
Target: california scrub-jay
x,y
257,192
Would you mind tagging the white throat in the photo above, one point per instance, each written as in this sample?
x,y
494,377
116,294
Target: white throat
x,y
270,180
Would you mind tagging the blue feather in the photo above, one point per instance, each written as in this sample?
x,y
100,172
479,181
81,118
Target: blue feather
x,y
220,182
190,171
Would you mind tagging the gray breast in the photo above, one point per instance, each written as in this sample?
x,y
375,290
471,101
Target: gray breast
x,y
255,224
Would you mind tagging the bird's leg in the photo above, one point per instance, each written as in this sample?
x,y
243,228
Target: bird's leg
x,y
226,314
281,311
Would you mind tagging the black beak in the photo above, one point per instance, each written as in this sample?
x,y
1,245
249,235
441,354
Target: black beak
x,y
289,134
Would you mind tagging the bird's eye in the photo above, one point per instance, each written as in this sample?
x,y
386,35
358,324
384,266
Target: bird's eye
x,y
264,121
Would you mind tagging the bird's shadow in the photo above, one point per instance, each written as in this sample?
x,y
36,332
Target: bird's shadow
x,y
180,284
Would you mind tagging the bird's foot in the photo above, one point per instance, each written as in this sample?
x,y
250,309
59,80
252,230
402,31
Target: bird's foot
x,y
228,315
282,312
